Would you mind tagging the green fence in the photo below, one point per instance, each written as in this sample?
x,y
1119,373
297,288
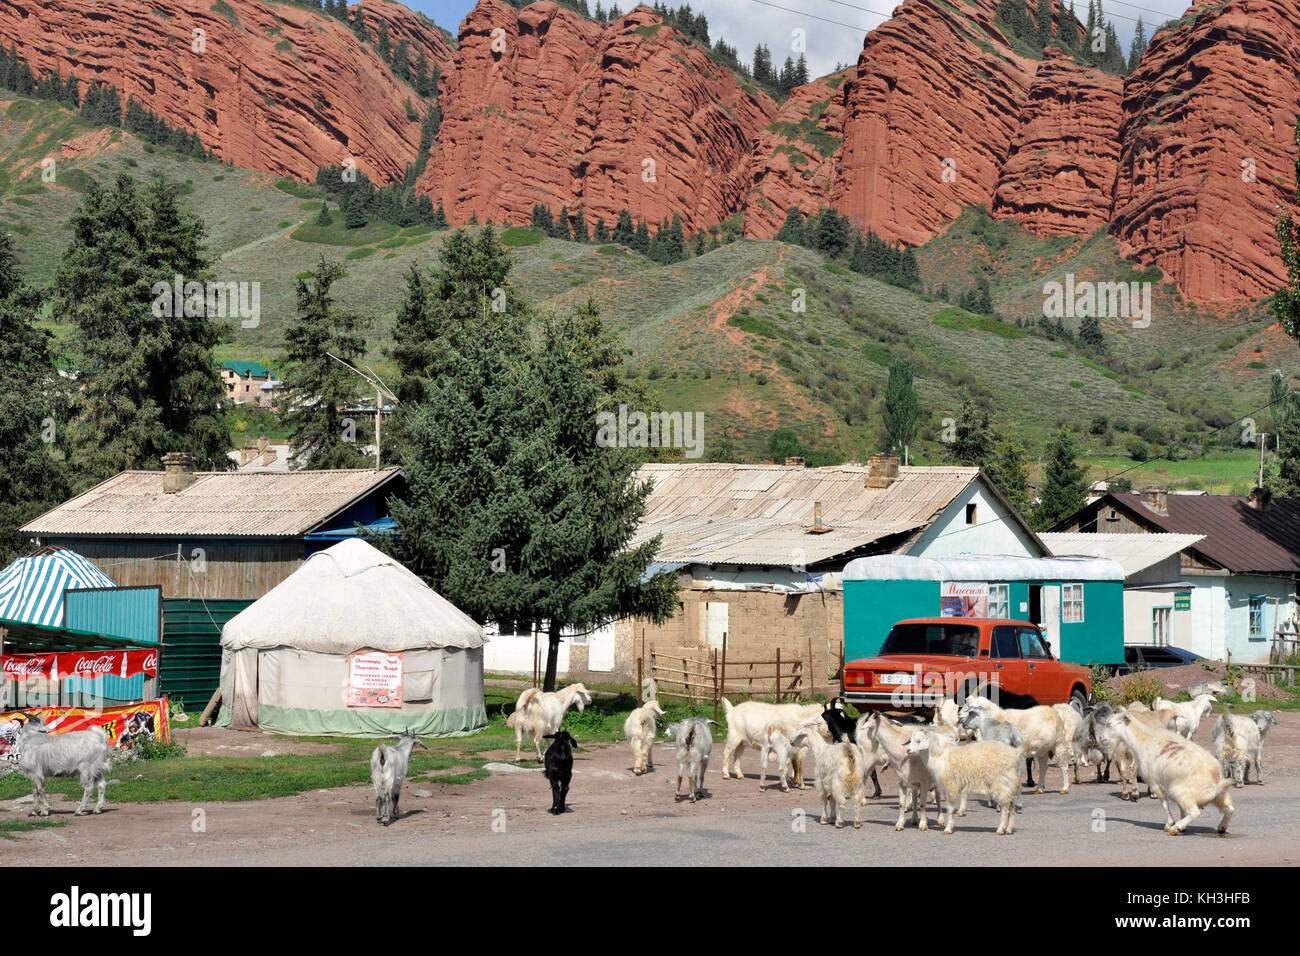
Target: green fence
x,y
191,659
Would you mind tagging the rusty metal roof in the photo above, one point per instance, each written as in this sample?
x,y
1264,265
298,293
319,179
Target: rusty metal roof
x,y
1238,537
763,514
243,504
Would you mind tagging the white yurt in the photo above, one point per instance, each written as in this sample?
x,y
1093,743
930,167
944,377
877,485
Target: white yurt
x,y
352,643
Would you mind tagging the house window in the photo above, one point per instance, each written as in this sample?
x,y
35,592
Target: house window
x,y
1257,617
1072,604
999,600
970,514
1161,625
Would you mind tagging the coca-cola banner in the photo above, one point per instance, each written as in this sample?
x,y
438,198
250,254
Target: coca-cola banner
x,y
87,664
124,725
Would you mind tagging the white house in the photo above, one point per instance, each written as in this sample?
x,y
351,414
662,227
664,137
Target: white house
x,y
1235,586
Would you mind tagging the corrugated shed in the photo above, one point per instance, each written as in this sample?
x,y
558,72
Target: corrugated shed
x,y
763,514
264,504
1236,536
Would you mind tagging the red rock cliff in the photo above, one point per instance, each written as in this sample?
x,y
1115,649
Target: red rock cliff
x,y
1060,173
543,106
1207,99
277,88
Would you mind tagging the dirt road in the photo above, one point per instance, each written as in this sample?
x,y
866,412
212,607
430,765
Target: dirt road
x,y
617,818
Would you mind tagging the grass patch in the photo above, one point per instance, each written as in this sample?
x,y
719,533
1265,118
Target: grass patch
x,y
955,318
9,827
517,236
226,10
361,253
295,188
756,326
337,234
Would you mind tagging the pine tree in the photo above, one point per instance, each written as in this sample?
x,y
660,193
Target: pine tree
x,y
324,219
354,210
1138,46
792,230
440,218
543,220
601,231
580,233
1090,336
973,438
32,404
1008,470
561,230
148,382
1043,23
318,385
383,46
1065,484
901,410
624,232
402,60
641,239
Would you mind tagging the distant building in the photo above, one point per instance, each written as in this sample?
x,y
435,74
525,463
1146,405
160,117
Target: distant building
x,y
229,534
1230,591
245,381
759,549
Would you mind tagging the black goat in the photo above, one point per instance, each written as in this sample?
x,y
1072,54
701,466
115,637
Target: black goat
x,y
558,767
842,726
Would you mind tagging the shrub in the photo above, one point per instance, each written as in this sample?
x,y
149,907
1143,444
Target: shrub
x,y
1142,685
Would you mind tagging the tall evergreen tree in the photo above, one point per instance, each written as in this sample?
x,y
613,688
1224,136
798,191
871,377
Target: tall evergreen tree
x,y
1286,301
1138,46
1065,484
624,232
318,385
1008,470
148,382
792,230
32,409
901,410
973,438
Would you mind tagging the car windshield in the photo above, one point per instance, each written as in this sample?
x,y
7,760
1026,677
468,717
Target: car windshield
x,y
950,640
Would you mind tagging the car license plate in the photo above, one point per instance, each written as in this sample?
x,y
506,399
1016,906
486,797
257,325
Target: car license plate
x,y
898,679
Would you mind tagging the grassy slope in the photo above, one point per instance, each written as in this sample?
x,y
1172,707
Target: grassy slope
x,y
718,333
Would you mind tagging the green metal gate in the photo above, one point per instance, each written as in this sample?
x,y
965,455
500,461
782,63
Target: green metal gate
x,y
191,658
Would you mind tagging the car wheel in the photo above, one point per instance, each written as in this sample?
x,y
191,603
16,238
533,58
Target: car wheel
x,y
1078,701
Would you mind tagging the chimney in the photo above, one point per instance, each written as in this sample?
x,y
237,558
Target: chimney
x,y
1156,498
178,472
1260,499
882,470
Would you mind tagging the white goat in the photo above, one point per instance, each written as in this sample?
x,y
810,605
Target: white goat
x,y
694,743
781,748
387,771
1239,741
1189,713
1182,773
1070,720
948,714
640,730
840,772
540,712
1043,731
79,753
748,722
914,780
987,769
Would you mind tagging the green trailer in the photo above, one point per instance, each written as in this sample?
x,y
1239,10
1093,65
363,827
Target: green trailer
x,y
1077,602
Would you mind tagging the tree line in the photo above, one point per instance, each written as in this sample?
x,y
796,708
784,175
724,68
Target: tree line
x,y
833,234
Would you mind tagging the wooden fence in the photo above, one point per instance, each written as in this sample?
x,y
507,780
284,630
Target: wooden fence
x,y
1272,673
712,677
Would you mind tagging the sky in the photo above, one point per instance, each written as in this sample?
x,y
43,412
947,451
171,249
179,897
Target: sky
x,y
833,29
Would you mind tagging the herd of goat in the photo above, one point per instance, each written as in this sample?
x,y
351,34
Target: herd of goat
x,y
975,749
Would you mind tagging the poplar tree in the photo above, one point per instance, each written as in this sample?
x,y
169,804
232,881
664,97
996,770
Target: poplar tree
x,y
901,410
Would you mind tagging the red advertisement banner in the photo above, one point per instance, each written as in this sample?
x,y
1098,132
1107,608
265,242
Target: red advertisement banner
x,y
86,664
124,725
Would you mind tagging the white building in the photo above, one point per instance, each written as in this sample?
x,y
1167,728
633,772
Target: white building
x,y
1232,589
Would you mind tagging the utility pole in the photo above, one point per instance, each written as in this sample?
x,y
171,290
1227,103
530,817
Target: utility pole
x,y
1262,436
380,390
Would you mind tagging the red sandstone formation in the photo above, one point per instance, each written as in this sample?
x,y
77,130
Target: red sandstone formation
x,y
1058,177
277,88
543,106
1209,99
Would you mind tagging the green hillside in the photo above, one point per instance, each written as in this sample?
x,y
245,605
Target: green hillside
x,y
722,333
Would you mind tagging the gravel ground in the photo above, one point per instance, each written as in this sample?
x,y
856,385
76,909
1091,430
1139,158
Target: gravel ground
x,y
616,818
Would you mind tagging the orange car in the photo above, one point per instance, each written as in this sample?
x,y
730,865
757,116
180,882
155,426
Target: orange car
x,y
924,660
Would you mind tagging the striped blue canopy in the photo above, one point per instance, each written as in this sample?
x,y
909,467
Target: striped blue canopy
x,y
31,588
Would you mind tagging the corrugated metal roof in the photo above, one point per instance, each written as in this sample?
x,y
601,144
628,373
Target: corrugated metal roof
x,y
1236,536
762,514
246,504
1134,552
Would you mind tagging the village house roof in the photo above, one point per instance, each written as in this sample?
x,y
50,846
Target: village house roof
x,y
255,369
215,504
1236,536
764,514
1133,552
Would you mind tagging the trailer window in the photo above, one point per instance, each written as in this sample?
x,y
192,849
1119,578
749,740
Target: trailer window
x,y
1072,604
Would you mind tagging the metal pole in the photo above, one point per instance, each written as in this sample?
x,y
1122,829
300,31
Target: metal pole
x,y
714,662
778,675
379,413
639,682
722,685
